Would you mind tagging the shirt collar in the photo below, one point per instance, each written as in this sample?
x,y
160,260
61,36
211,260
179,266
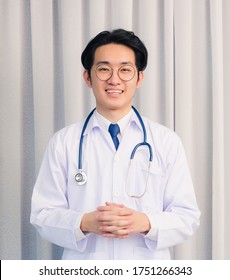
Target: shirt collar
x,y
123,122
97,120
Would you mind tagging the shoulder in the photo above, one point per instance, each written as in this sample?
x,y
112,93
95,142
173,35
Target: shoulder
x,y
165,141
67,134
160,131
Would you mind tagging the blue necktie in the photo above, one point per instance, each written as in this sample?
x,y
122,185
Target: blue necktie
x,y
114,129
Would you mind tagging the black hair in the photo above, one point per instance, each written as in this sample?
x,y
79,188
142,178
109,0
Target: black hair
x,y
117,36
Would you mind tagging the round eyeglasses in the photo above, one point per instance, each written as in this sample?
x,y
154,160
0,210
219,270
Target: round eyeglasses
x,y
104,72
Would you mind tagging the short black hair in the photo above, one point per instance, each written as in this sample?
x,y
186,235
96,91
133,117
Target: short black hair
x,y
117,36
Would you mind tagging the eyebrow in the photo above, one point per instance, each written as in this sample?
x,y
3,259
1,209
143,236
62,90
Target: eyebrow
x,y
107,62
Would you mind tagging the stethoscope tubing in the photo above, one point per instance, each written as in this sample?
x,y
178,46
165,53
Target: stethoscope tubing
x,y
144,143
142,124
81,139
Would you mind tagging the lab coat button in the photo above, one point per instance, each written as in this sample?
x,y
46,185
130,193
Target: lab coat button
x,y
117,158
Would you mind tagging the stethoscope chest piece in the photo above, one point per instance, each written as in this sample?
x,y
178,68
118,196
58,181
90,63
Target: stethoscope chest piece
x,y
81,178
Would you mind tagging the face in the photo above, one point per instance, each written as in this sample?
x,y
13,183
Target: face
x,y
114,94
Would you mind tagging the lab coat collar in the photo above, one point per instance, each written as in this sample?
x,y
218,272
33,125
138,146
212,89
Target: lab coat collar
x,y
134,120
94,123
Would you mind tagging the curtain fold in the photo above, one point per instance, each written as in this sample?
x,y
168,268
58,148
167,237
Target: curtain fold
x,y
183,90
226,90
186,88
218,226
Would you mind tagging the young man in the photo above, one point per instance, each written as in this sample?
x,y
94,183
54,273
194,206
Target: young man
x,y
88,197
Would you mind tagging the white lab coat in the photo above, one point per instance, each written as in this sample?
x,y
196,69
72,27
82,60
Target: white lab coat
x,y
58,203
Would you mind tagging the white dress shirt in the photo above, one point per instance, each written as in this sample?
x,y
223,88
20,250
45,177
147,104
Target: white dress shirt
x,y
58,202
123,123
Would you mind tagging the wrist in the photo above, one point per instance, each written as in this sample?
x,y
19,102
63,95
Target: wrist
x,y
84,224
146,224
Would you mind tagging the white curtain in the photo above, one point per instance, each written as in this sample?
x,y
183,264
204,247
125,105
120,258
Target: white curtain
x,y
186,88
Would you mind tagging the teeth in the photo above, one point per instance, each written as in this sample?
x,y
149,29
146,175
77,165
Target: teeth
x,y
114,91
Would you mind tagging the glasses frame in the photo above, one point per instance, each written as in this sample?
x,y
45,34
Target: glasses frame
x,y
112,69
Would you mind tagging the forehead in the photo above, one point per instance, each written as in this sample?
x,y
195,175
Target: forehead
x,y
114,54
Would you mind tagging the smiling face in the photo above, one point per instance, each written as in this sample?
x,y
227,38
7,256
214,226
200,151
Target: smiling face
x,y
113,96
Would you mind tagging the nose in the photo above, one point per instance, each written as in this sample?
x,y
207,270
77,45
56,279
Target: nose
x,y
114,79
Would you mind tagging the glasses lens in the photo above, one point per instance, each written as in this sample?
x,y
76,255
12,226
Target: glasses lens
x,y
126,72
104,72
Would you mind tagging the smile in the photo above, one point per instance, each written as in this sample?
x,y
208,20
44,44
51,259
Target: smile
x,y
113,91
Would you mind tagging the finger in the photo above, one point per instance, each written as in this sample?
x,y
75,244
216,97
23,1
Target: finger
x,y
116,211
114,227
108,207
104,217
114,204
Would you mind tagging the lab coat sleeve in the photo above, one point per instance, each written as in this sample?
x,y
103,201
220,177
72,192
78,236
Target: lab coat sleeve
x,y
50,213
180,216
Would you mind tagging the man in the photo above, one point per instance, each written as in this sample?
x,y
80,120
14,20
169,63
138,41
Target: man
x,y
115,210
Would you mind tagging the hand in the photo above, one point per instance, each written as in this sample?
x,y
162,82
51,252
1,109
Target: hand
x,y
90,222
115,221
119,221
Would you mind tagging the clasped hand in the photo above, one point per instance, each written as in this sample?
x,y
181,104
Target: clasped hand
x,y
115,221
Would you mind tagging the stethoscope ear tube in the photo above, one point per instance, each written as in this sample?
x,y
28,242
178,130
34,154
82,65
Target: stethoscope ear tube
x,y
142,144
130,194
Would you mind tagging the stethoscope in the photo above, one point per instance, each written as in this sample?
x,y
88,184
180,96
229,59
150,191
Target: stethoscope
x,y
81,177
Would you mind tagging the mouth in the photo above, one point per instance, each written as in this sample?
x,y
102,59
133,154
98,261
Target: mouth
x,y
114,91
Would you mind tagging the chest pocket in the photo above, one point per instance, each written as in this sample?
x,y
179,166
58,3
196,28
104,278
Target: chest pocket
x,y
144,177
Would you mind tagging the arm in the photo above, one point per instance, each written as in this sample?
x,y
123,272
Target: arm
x,y
50,213
179,217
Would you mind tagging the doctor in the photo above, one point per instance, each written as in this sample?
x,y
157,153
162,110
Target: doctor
x,y
90,197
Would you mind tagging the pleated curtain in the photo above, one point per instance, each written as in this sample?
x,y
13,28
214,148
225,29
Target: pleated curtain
x,y
186,87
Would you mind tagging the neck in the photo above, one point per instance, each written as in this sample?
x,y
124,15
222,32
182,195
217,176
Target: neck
x,y
113,115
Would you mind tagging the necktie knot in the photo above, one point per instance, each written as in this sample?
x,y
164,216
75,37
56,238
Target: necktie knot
x,y
114,129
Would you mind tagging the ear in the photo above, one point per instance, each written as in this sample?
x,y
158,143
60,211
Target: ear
x,y
140,78
87,78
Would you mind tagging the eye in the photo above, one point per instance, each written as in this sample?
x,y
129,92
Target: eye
x,y
125,69
103,68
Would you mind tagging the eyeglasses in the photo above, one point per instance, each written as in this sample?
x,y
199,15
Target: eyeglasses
x,y
104,72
